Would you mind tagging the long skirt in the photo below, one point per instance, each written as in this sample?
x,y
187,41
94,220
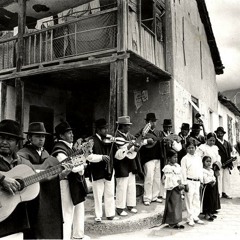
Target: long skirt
x,y
207,199
216,198
173,207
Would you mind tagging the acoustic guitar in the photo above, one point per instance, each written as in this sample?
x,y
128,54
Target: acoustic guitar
x,y
29,181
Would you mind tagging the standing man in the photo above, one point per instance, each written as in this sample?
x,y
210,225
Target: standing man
x,y
18,221
45,210
73,187
101,173
151,160
195,135
224,149
126,165
185,128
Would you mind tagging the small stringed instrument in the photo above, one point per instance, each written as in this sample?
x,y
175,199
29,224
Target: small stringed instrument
x,y
29,180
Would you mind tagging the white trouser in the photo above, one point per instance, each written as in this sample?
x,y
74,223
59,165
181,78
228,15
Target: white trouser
x,y
15,236
192,200
71,213
152,180
126,191
104,188
224,184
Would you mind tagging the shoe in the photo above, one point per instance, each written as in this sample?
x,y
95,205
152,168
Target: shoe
x,y
224,195
191,223
213,216
177,226
123,213
158,200
146,203
98,219
199,221
208,218
133,210
113,218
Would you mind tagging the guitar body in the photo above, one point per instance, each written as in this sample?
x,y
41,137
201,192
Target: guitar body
x,y
8,201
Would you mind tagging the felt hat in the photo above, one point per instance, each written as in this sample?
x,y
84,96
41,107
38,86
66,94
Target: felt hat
x,y
101,123
37,128
220,129
196,126
124,120
185,126
11,128
62,127
167,122
151,117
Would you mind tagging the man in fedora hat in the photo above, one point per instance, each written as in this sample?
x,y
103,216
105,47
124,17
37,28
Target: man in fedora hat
x,y
73,186
48,202
126,165
195,135
18,221
225,151
101,172
151,159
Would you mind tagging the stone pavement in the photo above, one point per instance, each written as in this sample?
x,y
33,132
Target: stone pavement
x,y
227,224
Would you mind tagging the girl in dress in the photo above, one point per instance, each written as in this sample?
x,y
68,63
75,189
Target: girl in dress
x,y
172,181
209,180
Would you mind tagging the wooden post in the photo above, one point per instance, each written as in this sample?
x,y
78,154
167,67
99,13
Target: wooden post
x,y
122,25
19,84
3,99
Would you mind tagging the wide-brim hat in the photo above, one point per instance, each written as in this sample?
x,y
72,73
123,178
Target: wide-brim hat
x,y
196,126
167,122
185,126
37,128
151,117
101,123
11,128
220,129
62,127
125,120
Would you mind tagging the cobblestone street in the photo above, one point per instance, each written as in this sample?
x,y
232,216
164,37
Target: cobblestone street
x,y
227,224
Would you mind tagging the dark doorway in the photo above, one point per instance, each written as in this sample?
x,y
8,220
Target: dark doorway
x,y
45,115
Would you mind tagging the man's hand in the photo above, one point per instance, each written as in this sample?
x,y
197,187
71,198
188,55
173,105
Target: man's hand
x,y
11,185
150,141
106,158
67,169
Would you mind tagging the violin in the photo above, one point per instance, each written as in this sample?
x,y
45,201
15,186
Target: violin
x,y
118,140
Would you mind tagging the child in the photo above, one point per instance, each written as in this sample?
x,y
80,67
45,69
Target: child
x,y
209,181
192,172
173,184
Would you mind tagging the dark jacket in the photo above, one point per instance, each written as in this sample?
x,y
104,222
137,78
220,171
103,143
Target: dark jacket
x,y
77,183
125,166
18,221
101,170
45,211
224,151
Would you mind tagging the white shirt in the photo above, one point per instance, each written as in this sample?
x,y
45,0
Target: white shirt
x,y
208,176
173,176
192,167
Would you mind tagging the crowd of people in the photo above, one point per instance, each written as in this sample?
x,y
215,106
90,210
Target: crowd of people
x,y
175,167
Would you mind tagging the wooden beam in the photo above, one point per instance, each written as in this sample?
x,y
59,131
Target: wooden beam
x,y
67,66
19,84
122,27
113,97
122,87
3,99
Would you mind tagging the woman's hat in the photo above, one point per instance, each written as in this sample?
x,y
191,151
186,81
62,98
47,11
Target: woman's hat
x,y
151,117
101,123
124,120
11,128
37,128
196,126
185,126
167,122
220,129
62,127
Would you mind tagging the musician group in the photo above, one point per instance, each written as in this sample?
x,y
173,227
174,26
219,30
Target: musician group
x,y
172,166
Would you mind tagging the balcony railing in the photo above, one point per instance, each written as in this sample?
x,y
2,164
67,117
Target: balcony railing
x,y
88,34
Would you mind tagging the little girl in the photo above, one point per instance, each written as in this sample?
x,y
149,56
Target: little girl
x,y
173,184
209,180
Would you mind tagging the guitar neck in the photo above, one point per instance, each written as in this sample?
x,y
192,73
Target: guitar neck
x,y
42,175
